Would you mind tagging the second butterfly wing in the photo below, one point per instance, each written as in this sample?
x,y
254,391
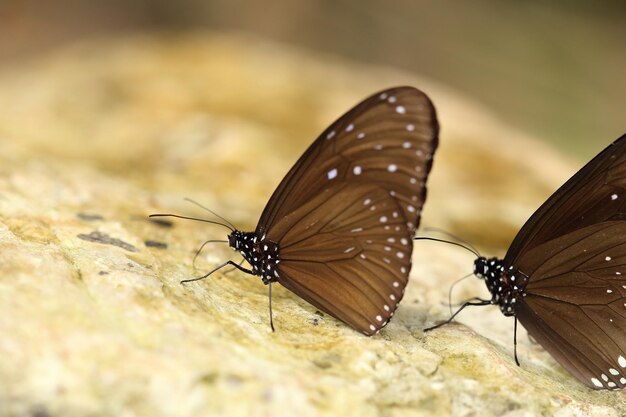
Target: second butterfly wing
x,y
573,249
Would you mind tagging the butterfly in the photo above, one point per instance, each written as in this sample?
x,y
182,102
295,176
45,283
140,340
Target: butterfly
x,y
338,230
564,275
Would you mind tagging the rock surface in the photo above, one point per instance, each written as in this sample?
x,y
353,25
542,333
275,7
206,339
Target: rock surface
x,y
94,321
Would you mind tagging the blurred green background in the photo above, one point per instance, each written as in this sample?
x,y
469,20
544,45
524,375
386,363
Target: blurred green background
x,y
554,69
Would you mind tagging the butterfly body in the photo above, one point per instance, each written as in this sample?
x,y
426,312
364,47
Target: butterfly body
x,y
507,285
338,229
564,275
260,252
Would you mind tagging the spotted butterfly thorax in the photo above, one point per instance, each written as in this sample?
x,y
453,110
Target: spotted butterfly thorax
x,y
337,231
564,275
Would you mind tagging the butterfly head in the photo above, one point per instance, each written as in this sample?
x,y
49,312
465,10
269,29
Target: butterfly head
x,y
235,239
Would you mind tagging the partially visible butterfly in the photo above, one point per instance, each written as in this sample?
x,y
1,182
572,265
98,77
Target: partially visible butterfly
x,y
338,229
564,276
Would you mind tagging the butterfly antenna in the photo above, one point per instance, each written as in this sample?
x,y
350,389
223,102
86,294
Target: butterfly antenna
x,y
193,263
232,229
452,287
210,211
434,239
452,236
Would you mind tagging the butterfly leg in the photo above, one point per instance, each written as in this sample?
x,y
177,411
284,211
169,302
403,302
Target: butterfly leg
x,y
466,304
241,268
193,263
270,300
515,342
232,269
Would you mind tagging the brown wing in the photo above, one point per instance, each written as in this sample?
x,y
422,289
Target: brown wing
x,y
348,252
595,194
575,305
387,140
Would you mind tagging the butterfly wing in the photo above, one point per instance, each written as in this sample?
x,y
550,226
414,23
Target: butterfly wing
x,y
348,252
574,252
596,193
575,305
388,140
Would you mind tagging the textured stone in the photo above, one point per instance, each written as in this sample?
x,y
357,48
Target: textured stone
x,y
94,321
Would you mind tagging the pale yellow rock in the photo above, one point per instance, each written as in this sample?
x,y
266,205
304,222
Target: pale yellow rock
x,y
96,136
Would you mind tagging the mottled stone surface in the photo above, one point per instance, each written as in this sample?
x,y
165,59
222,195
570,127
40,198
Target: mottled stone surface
x,y
94,321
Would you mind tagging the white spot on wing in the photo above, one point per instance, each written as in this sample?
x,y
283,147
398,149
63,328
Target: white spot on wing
x,y
332,173
350,128
597,383
410,127
360,135
608,258
614,197
621,361
383,219
330,135
357,170
400,109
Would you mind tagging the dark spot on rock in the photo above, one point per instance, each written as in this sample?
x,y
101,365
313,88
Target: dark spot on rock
x,y
209,378
103,273
314,321
319,313
161,222
41,412
89,217
322,363
267,395
99,237
155,244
